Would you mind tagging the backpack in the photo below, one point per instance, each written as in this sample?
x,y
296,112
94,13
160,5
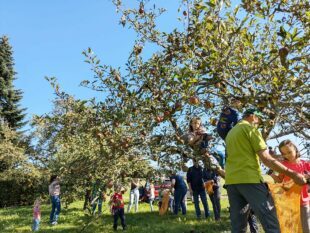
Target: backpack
x,y
229,117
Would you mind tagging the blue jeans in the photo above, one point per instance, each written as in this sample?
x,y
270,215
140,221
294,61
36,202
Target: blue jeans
x,y
99,202
216,202
179,195
55,208
203,198
36,224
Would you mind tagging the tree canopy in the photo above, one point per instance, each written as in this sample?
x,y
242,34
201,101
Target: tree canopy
x,y
256,52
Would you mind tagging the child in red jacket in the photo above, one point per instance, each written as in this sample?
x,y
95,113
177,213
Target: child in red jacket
x,y
117,206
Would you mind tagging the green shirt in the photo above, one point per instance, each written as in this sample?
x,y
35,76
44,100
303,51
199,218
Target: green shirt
x,y
242,144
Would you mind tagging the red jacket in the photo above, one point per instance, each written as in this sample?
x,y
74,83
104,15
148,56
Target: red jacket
x,y
117,201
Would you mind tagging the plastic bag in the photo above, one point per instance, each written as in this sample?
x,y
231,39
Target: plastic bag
x,y
287,202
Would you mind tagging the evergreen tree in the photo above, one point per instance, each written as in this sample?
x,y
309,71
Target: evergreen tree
x,y
10,110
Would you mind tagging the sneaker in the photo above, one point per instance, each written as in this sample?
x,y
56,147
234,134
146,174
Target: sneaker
x,y
54,223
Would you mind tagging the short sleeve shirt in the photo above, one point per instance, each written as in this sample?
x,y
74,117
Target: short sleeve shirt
x,y
242,164
179,182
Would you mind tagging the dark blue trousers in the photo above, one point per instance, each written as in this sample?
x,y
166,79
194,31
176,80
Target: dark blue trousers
x,y
216,203
179,195
119,213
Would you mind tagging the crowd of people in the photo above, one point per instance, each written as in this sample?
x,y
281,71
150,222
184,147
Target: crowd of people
x,y
240,166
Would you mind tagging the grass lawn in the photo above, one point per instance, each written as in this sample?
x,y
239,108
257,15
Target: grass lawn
x,y
73,219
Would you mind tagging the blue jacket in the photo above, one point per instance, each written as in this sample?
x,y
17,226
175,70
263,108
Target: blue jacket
x,y
227,122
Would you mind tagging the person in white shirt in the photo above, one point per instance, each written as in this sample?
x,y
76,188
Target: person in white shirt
x,y
54,192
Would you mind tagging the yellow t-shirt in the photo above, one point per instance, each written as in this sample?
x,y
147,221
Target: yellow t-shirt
x,y
242,164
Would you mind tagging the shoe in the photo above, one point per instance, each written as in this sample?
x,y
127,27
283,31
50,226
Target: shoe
x,y
54,223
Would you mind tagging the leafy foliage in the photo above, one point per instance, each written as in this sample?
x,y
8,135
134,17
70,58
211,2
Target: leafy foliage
x,y
20,180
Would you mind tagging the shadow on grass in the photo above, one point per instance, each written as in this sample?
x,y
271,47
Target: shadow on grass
x,y
147,222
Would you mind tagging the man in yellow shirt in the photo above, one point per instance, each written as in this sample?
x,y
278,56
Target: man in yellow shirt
x,y
245,185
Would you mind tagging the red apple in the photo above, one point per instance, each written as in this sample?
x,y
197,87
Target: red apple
x,y
208,104
167,113
217,85
159,119
193,100
141,10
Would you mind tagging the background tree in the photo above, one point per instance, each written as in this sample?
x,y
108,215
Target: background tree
x,y
20,181
76,141
10,110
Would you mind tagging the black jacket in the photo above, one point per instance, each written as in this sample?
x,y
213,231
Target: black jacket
x,y
196,177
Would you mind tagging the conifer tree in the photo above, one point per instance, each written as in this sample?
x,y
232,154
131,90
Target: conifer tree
x,y
10,109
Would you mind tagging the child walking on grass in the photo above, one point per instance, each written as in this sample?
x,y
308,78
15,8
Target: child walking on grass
x,y
292,161
117,206
36,215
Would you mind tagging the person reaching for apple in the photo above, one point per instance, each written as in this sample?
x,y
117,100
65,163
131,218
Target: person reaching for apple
x,y
198,139
229,117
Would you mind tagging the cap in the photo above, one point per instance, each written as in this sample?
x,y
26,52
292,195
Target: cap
x,y
254,111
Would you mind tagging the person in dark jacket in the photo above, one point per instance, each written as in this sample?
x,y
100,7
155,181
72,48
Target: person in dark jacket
x,y
195,179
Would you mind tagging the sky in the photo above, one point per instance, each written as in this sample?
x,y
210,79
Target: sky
x,y
48,38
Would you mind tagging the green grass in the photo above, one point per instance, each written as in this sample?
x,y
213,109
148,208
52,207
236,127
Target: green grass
x,y
73,219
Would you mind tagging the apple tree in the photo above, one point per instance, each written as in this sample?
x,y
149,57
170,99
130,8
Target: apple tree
x,y
255,51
